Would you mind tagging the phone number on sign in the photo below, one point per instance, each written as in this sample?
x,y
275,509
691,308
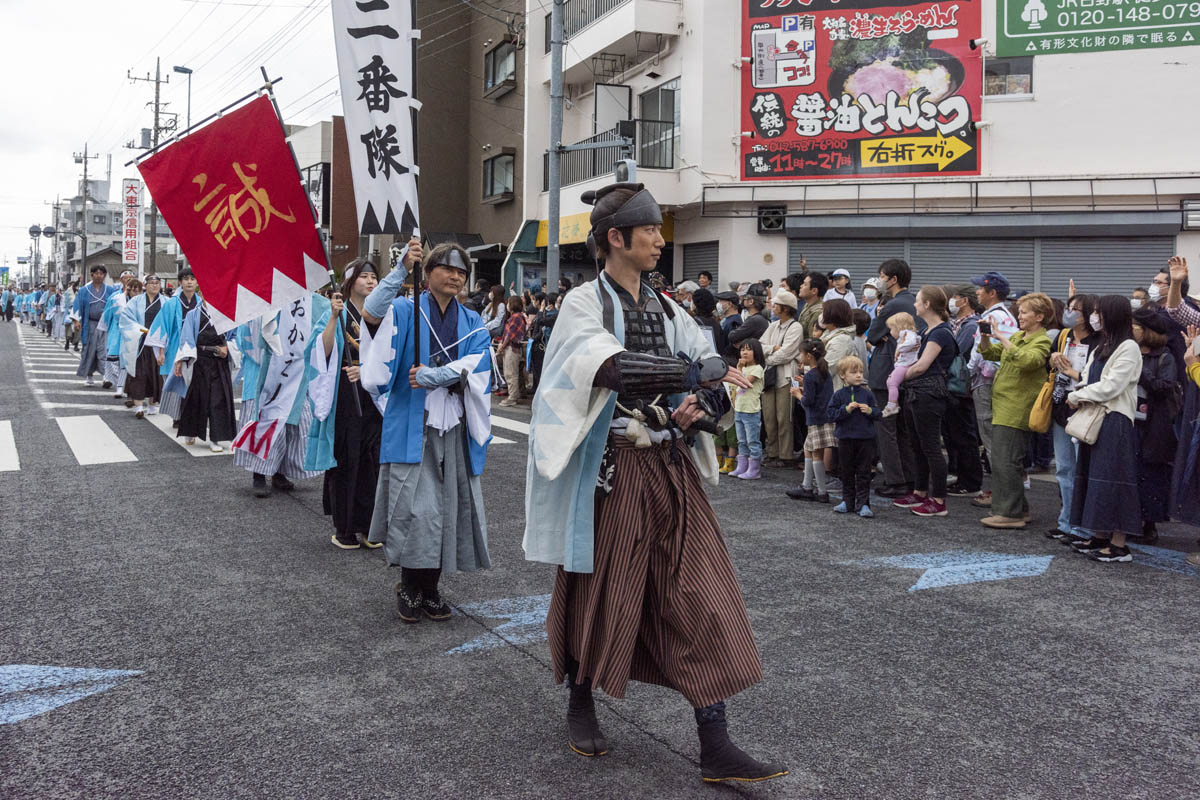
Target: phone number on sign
x,y
1169,12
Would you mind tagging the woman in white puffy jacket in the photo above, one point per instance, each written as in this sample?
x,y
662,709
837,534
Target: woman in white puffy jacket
x,y
1106,500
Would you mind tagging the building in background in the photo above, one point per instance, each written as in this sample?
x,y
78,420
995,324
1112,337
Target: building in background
x,y
746,128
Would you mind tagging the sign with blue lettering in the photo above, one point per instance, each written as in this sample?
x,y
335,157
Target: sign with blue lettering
x,y
27,690
958,567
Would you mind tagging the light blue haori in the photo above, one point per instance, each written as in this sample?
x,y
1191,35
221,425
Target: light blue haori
x,y
571,418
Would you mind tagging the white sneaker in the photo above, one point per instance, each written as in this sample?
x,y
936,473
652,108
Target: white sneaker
x,y
91,381
190,440
215,447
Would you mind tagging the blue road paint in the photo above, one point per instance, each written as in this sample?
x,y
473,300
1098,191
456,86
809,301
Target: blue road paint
x,y
27,690
959,567
526,622
1162,558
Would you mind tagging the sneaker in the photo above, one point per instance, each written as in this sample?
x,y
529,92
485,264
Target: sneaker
x,y
958,490
1055,533
982,500
800,493
348,542
930,508
91,381
1194,559
1028,485
435,607
908,501
1003,523
408,604
896,490
1072,539
1090,545
841,508
866,513
889,411
833,484
1112,555
507,402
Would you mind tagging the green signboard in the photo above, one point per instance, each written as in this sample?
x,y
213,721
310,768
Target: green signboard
x,y
1046,27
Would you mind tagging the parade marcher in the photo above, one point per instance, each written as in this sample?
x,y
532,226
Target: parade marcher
x,y
56,314
144,382
344,436
645,589
164,338
207,410
272,439
89,308
7,301
435,395
110,326
71,324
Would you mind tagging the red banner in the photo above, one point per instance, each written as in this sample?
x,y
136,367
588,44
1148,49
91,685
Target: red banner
x,y
860,88
231,194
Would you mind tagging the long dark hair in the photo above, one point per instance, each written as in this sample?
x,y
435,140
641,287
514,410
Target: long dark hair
x,y
498,299
1116,319
816,349
756,346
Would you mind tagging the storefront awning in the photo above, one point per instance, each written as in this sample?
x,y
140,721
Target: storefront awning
x,y
574,229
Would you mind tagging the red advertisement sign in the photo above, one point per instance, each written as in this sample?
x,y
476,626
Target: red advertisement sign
x,y
865,88
231,194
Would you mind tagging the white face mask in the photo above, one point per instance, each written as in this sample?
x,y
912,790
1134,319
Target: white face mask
x,y
1094,321
869,293
1155,292
954,306
1136,303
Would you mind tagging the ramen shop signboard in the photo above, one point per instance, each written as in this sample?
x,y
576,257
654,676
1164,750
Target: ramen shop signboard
x,y
843,88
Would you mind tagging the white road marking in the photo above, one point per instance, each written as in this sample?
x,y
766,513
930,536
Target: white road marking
x,y
9,462
93,442
86,407
501,440
76,380
199,449
90,392
511,424
53,372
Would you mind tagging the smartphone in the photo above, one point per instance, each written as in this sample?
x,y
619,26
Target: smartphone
x,y
985,327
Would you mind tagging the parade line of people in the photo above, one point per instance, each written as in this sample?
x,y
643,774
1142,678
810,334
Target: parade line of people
x,y
652,395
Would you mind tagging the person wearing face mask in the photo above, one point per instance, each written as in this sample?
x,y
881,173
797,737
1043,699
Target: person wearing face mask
x,y
961,430
872,290
1160,287
1106,500
754,324
731,320
683,294
1068,359
1138,298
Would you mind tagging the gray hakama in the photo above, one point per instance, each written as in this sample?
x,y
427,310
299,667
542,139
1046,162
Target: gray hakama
x,y
288,458
92,359
430,515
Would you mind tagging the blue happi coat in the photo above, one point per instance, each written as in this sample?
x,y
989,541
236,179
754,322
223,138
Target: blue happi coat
x,y
262,352
318,454
82,301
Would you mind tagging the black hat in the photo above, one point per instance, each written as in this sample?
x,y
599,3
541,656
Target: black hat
x,y
728,297
1153,318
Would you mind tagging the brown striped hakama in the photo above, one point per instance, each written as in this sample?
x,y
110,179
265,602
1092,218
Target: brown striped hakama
x,y
662,604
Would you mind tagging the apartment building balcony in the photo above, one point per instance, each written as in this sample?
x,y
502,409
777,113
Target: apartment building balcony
x,y
655,147
606,36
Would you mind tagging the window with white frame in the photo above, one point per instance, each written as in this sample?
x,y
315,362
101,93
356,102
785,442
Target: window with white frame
x,y
498,177
1008,76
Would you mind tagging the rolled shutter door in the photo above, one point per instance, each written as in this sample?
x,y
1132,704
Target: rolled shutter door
x,y
955,261
1103,265
861,257
698,257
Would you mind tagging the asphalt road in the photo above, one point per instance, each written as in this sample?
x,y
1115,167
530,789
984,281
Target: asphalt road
x,y
265,663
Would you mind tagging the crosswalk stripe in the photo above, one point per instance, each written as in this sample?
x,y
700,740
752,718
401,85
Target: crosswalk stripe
x,y
93,442
163,423
511,424
52,372
74,380
9,462
501,440
87,407
90,392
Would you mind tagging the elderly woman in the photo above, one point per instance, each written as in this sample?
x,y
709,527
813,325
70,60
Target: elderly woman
x,y
1106,499
1019,378
781,345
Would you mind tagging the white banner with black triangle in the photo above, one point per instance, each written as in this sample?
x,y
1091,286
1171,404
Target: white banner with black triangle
x,y
377,65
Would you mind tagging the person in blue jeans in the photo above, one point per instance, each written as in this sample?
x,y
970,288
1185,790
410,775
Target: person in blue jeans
x,y
747,412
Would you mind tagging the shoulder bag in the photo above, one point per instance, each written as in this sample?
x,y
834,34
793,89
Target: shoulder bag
x,y
1085,423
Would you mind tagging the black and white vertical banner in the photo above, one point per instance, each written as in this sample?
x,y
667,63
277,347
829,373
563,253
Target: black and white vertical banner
x,y
377,65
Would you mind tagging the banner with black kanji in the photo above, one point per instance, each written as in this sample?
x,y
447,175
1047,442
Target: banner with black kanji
x,y
377,65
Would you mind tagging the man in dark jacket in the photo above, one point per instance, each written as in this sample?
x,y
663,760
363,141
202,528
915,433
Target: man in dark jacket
x,y
891,433
754,326
703,306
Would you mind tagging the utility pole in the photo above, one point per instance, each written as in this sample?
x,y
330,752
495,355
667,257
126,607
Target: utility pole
x,y
158,80
556,125
83,234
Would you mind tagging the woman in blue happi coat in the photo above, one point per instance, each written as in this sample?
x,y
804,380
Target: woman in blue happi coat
x,y
164,337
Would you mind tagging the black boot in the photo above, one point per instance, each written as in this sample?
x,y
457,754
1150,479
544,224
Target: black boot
x,y
583,730
280,482
722,760
260,486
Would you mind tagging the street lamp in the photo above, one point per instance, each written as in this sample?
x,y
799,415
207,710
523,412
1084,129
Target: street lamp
x,y
187,71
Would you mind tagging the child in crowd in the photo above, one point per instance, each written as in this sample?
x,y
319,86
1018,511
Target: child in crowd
x,y
747,408
814,395
854,412
904,330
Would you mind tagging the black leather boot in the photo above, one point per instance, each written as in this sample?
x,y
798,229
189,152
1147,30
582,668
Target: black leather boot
x,y
722,760
583,730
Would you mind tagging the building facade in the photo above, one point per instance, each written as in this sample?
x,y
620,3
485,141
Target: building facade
x,y
1061,184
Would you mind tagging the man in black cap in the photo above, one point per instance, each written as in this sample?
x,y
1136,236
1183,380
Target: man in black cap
x,y
645,589
992,290
728,313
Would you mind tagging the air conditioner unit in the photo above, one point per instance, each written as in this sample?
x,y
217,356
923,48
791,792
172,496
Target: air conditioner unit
x,y
772,219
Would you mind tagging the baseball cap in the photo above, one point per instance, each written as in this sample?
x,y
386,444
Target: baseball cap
x,y
993,280
841,272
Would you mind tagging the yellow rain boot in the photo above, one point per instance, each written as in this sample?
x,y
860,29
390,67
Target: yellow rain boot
x,y
728,465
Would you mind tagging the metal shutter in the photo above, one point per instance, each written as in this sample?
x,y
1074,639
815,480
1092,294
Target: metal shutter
x,y
950,261
698,257
1103,265
861,256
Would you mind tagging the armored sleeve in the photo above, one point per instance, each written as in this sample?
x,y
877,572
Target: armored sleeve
x,y
645,376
